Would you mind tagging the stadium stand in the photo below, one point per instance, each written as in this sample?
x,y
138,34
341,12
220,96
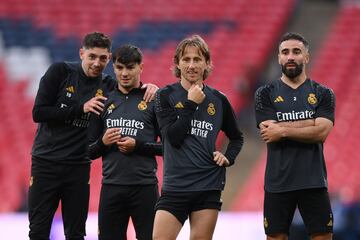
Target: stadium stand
x,y
36,33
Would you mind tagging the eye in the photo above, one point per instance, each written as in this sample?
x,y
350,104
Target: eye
x,y
103,58
285,52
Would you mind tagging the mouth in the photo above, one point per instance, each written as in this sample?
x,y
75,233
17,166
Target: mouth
x,y
192,74
291,65
96,70
125,80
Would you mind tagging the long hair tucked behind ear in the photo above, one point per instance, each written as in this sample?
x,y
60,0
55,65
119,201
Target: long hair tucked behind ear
x,y
201,45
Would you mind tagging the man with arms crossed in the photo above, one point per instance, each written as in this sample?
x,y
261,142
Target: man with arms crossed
x,y
295,115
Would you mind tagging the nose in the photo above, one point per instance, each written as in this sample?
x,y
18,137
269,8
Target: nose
x,y
97,62
191,64
291,57
124,73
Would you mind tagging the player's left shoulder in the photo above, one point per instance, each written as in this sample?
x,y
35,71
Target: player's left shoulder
x,y
215,92
320,88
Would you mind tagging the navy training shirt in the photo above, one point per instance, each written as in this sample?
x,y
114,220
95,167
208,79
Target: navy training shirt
x,y
61,134
293,165
137,119
189,133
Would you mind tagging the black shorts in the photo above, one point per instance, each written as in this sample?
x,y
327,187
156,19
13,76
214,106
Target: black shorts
x,y
182,204
313,204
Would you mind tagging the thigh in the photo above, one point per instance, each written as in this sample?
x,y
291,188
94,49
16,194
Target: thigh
x,y
166,226
202,223
75,200
279,209
142,209
43,200
113,217
315,209
175,203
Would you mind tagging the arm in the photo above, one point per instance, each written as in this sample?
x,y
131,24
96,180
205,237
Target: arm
x,y
264,110
304,131
298,124
100,142
172,126
129,145
153,148
273,132
46,107
232,131
150,91
150,148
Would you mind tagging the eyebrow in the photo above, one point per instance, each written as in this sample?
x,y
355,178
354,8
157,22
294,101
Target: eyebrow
x,y
293,49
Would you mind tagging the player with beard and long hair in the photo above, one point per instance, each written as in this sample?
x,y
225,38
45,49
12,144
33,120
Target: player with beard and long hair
x,y
190,114
295,115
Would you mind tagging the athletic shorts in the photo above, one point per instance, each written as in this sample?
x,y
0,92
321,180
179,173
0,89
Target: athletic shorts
x,y
182,204
313,204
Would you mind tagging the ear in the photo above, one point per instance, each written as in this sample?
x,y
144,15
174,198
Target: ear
x,y
307,58
141,66
81,53
279,58
110,56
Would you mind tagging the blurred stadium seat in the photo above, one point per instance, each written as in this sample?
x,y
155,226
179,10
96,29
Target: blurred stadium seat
x,y
237,37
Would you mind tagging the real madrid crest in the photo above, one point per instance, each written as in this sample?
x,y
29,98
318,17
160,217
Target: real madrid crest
x,y
312,98
111,108
211,109
142,106
99,92
266,224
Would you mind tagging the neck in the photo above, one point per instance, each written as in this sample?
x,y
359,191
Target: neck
x,y
186,84
294,82
128,89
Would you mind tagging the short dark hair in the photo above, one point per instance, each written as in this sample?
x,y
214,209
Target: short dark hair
x,y
96,39
126,54
294,36
195,41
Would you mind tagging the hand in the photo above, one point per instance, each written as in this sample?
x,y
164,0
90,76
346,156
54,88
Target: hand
x,y
265,124
150,91
271,132
126,144
195,94
95,105
220,159
111,135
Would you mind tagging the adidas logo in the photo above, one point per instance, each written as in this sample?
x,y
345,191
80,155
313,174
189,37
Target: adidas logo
x,y
330,223
179,105
70,89
279,99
